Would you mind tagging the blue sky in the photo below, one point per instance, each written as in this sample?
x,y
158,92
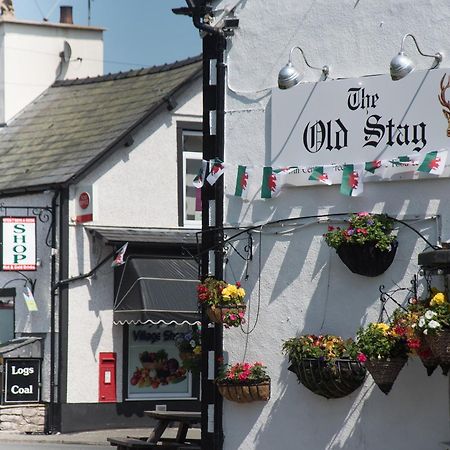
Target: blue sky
x,y
143,33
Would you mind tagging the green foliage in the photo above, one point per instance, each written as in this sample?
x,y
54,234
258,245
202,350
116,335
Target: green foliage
x,y
327,348
243,373
363,228
379,340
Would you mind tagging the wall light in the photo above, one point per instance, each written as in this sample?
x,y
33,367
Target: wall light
x,y
289,76
401,64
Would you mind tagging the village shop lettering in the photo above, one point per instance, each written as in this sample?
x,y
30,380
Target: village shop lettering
x,y
334,135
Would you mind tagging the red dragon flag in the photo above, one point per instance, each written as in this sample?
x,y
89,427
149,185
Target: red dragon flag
x,y
352,180
320,173
118,258
199,180
433,162
241,189
372,166
217,169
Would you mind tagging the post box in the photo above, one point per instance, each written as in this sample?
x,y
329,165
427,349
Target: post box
x,y
107,378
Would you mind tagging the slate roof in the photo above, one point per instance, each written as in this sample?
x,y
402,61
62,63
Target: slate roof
x,y
74,123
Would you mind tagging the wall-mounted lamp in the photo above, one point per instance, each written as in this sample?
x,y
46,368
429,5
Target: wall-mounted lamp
x,y
401,64
289,76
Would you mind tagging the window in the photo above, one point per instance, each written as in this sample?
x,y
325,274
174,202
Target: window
x,y
156,367
7,300
190,142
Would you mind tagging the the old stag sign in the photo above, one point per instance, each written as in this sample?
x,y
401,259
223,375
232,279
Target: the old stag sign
x,y
363,119
18,243
22,380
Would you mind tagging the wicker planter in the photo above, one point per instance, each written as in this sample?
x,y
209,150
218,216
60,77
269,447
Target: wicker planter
x,y
215,314
245,393
385,371
366,259
426,355
329,380
440,346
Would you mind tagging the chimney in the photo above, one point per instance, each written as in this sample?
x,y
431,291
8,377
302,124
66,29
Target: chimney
x,y
65,15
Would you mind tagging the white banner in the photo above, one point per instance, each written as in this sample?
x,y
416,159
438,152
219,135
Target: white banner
x,y
19,243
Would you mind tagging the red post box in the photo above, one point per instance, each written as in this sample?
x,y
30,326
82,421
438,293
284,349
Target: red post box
x,y
107,378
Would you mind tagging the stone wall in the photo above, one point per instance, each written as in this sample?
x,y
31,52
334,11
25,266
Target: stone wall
x,y
22,418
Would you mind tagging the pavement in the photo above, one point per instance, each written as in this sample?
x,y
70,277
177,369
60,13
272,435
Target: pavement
x,y
97,437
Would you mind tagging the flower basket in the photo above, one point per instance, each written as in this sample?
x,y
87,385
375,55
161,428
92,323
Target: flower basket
x,y
440,346
330,380
245,393
216,313
366,259
385,371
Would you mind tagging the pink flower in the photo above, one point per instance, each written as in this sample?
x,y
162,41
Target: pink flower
x,y
361,357
363,214
233,317
241,314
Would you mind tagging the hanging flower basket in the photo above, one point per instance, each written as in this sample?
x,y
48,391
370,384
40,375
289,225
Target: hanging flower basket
x,y
225,313
440,346
331,380
366,259
385,371
426,355
245,393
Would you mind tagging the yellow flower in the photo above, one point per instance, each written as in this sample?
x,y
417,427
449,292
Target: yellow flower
x,y
241,292
197,350
438,299
384,327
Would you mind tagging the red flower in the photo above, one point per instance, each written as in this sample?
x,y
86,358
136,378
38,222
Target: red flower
x,y
362,358
413,344
330,228
238,284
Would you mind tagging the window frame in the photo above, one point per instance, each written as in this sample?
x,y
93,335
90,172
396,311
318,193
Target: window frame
x,y
184,128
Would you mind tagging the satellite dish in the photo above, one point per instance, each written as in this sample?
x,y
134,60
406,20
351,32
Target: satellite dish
x,y
66,53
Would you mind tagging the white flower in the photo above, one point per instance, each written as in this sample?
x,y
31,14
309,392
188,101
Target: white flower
x,y
425,331
193,344
430,314
433,324
422,322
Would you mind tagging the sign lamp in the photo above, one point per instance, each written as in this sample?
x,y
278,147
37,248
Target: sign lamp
x,y
289,76
401,64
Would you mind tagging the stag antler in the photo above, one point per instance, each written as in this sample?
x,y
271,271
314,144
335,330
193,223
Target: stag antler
x,y
442,100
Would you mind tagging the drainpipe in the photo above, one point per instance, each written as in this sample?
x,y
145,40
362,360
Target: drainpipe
x,y
214,45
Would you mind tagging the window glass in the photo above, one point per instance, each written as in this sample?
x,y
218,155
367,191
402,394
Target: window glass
x,y
6,319
156,366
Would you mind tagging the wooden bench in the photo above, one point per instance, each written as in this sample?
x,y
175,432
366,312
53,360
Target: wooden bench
x,y
131,443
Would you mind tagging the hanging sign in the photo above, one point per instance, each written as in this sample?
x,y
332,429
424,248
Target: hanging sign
x,y
22,380
340,122
18,243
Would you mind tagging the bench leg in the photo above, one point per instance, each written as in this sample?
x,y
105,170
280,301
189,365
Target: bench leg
x,y
182,432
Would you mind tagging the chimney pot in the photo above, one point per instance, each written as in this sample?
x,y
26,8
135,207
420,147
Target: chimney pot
x,y
65,15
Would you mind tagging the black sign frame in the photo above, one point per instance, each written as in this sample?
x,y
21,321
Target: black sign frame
x,y
21,380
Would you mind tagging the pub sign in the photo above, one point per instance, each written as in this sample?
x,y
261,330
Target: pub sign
x,y
22,380
18,243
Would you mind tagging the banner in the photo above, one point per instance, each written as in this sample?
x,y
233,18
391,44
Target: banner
x,y
18,243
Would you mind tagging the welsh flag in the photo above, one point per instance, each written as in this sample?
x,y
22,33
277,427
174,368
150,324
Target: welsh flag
x,y
199,180
433,162
241,189
319,173
118,258
352,180
271,182
404,161
372,166
217,169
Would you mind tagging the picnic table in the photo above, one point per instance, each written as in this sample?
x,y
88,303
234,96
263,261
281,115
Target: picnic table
x,y
185,420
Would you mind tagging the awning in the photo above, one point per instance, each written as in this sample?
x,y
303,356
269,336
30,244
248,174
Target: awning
x,y
157,290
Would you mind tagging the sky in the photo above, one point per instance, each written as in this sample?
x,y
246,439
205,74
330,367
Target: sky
x,y
143,33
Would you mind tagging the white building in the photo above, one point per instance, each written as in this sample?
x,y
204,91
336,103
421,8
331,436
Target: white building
x,y
296,283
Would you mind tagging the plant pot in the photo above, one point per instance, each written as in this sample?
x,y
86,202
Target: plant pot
x,y
245,393
440,346
385,371
332,380
216,313
366,259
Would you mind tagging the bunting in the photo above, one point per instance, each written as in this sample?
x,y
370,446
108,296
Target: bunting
x,y
217,169
319,173
434,163
352,180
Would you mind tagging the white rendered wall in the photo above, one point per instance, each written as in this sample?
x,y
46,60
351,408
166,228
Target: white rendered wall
x,y
304,286
135,187
30,59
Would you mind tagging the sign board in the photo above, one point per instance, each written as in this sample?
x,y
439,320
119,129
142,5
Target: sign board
x,y
22,380
362,119
18,243
83,204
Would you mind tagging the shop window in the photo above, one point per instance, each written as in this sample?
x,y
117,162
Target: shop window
x,y
190,141
157,367
7,300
